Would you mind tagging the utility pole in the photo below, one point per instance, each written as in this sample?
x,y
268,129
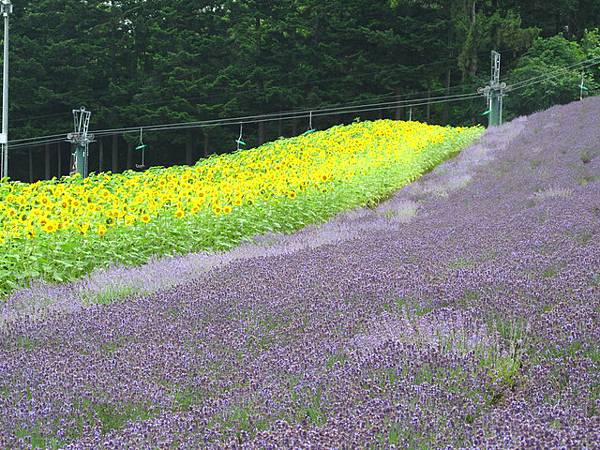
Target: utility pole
x,y
582,88
494,93
81,140
6,8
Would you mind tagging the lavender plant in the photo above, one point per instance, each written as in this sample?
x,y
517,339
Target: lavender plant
x,y
461,313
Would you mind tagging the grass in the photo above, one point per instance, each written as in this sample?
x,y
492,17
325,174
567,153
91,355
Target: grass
x,y
462,263
111,294
185,399
421,310
402,436
25,342
505,361
584,180
586,157
338,358
111,347
425,374
241,420
468,298
110,417
38,440
115,417
308,406
575,349
550,272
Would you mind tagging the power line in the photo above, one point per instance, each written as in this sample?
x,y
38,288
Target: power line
x,y
265,89
39,143
306,115
400,96
559,71
275,116
269,88
282,114
265,118
249,120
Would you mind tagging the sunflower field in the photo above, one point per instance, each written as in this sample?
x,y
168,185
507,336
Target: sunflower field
x,y
59,230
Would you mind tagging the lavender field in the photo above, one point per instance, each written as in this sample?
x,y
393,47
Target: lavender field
x,y
464,312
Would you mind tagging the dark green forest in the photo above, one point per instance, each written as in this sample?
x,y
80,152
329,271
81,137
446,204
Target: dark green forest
x,y
144,62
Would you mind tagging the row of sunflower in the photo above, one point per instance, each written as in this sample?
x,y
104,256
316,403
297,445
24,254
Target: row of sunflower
x,y
287,169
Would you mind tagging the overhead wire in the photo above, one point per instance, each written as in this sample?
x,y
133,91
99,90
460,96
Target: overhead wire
x,y
559,71
281,115
275,116
263,118
306,114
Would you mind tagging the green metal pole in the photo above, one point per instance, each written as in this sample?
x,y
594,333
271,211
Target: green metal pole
x,y
86,158
80,160
494,118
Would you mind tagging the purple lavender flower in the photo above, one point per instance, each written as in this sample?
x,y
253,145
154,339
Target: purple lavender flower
x,y
462,313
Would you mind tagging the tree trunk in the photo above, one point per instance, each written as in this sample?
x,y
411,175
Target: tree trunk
x,y
189,148
100,155
294,127
115,154
59,174
47,161
398,110
206,150
428,105
450,42
30,166
473,50
447,105
261,133
129,155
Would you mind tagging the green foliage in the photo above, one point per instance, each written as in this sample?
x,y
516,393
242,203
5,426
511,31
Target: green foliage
x,y
590,44
134,62
338,358
37,439
185,399
548,56
111,295
115,417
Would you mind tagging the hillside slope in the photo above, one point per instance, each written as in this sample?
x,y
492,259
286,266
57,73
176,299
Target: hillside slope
x,y
463,312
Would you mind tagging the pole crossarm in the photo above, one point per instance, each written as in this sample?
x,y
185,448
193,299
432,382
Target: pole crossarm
x,y
494,92
6,8
81,140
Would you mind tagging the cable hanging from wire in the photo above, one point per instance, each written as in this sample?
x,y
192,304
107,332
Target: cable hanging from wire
x,y
282,114
266,118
